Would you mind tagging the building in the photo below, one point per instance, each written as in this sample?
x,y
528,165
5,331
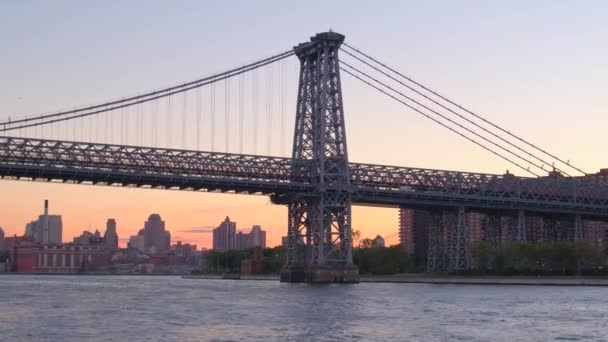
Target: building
x,y
156,239
110,237
224,236
497,230
32,257
1,239
88,238
413,230
379,241
255,238
255,265
137,242
184,252
47,229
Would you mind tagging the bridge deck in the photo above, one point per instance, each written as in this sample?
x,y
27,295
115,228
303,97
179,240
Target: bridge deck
x,y
75,162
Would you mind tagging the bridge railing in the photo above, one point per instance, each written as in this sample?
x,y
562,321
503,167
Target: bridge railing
x,y
464,183
143,160
137,161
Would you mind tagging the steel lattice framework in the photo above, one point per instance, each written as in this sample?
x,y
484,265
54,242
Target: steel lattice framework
x,y
323,216
103,164
319,184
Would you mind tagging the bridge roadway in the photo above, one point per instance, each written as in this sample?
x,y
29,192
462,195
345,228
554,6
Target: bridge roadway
x,y
103,164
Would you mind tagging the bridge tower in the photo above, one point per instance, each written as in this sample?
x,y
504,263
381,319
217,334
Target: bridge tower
x,y
319,224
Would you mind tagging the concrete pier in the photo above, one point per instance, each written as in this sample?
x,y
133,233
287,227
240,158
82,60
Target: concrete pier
x,y
318,274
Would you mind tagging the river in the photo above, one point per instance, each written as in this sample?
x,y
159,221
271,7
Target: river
x,y
165,308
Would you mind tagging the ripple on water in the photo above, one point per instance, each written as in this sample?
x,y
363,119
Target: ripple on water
x,y
135,308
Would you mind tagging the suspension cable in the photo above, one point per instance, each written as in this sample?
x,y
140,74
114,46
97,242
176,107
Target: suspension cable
x,y
444,117
466,110
435,120
455,113
145,97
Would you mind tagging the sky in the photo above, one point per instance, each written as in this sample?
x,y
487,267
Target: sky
x,y
536,68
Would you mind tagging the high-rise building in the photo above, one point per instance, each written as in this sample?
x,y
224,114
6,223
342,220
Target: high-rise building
x,y
475,223
224,236
48,229
35,229
184,252
1,239
137,242
255,238
413,230
258,237
110,237
156,239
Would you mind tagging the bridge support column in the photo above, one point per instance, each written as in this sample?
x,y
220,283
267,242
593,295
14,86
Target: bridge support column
x,y
319,241
578,228
436,260
552,231
459,245
520,226
321,220
493,230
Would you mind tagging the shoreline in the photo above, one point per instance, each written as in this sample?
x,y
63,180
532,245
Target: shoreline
x,y
444,279
437,279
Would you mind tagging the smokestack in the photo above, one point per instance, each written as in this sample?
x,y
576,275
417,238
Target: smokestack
x,y
45,223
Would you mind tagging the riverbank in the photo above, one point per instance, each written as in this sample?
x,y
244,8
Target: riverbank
x,y
445,279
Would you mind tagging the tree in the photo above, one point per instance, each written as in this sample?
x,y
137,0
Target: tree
x,y
367,243
356,235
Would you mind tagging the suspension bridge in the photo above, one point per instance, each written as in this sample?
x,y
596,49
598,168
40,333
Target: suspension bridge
x,y
143,141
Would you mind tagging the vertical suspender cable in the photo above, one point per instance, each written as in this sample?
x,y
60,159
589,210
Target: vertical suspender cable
x,y
227,113
184,118
198,118
169,122
241,110
212,118
154,122
282,100
254,108
269,116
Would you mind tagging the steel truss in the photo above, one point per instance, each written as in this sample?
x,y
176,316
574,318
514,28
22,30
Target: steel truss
x,y
553,230
521,231
105,164
320,151
459,246
493,230
578,228
438,224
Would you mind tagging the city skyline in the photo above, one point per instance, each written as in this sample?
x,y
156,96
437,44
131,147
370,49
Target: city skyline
x,y
508,72
123,240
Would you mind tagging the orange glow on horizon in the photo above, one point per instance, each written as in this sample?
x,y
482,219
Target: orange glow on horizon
x,y
89,207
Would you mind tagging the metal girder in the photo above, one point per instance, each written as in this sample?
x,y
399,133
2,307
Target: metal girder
x,y
552,229
459,246
493,230
77,162
521,232
438,225
578,228
320,154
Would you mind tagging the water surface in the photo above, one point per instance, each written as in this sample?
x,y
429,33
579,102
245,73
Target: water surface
x,y
148,308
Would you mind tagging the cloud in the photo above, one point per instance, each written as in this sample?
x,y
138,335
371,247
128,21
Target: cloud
x,y
198,230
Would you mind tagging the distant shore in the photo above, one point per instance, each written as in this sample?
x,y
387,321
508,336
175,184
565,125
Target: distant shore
x,y
446,279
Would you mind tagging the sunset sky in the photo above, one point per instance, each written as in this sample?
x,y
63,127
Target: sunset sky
x,y
537,68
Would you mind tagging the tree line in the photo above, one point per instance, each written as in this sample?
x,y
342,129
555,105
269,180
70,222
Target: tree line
x,y
551,258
